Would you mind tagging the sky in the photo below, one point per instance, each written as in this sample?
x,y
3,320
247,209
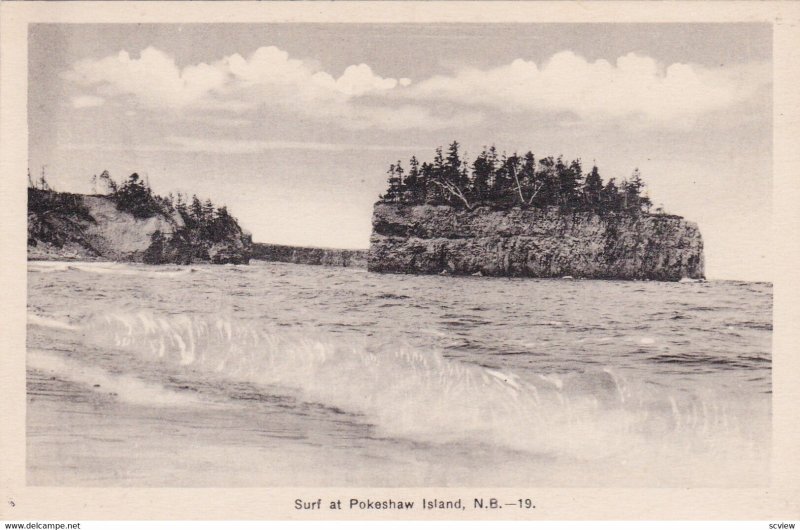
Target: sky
x,y
293,126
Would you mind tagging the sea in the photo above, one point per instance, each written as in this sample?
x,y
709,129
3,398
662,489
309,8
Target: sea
x,y
274,374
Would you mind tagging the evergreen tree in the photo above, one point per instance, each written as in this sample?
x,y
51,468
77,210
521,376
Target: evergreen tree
x,y
196,210
412,183
452,166
180,205
572,184
438,161
632,190
401,178
208,210
136,198
422,184
610,198
482,171
569,178
436,194
593,189
547,176
502,181
494,163
394,193
447,176
431,192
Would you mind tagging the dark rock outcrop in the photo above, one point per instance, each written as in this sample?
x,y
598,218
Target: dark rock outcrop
x,y
310,255
534,242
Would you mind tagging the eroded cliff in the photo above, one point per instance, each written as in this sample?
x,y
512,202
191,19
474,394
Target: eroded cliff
x,y
66,226
533,242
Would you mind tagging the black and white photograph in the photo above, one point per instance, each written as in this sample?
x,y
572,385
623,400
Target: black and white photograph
x,y
399,255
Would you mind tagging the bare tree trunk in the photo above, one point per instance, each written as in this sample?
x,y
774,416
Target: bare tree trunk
x,y
519,188
454,191
535,193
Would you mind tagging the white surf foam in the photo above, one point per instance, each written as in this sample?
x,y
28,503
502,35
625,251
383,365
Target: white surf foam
x,y
121,387
111,268
37,320
406,392
48,266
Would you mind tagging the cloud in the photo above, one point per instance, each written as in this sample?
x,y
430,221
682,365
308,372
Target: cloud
x,y
356,80
187,144
82,102
635,89
153,79
268,77
633,86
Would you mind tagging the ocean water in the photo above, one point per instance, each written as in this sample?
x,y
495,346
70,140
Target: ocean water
x,y
288,375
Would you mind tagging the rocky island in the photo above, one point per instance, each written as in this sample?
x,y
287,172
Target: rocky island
x,y
515,216
131,223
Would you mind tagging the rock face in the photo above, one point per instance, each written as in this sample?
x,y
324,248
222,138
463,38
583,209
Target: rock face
x,y
68,226
310,255
536,243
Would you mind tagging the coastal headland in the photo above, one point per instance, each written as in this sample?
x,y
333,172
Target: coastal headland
x,y
131,224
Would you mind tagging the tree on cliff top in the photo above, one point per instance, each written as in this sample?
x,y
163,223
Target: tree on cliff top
x,y
633,189
203,223
593,189
136,198
501,182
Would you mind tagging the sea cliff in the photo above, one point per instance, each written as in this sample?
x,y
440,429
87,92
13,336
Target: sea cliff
x,y
70,226
535,242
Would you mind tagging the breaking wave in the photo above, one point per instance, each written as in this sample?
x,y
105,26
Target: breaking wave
x,y
405,392
116,269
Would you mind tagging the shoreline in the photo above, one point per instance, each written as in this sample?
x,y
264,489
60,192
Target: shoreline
x,y
56,259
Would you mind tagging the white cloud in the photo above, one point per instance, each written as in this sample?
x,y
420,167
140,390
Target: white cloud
x,y
355,81
154,78
235,83
634,86
82,102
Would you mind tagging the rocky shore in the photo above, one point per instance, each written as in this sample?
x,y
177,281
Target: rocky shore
x,y
426,239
